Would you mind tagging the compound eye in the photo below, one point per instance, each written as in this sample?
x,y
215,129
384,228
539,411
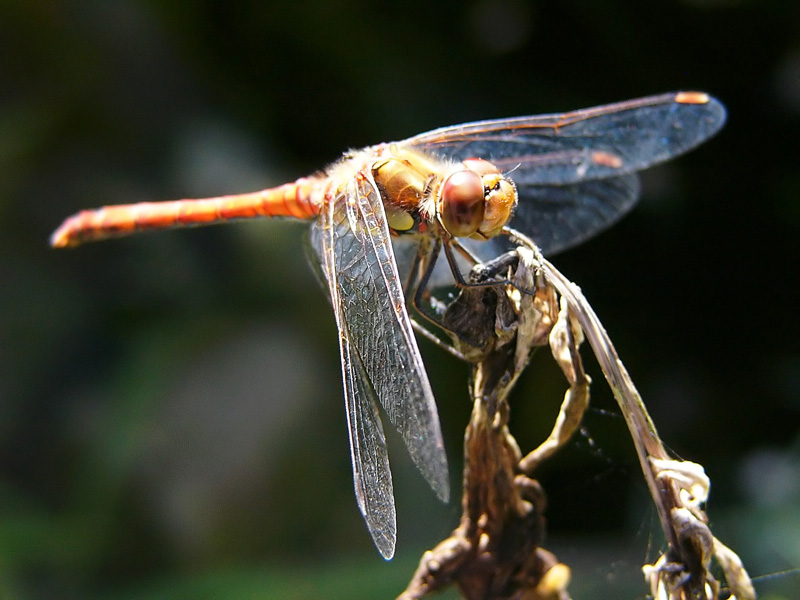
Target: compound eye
x,y
500,202
462,203
480,166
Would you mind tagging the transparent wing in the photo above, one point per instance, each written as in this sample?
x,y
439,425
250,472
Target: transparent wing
x,y
372,478
558,217
562,216
380,357
605,141
552,157
371,475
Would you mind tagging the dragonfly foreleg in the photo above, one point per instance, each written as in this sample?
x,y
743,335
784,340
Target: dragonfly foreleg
x,y
487,275
434,339
423,301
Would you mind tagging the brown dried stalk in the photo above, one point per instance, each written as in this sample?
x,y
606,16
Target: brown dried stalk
x,y
494,553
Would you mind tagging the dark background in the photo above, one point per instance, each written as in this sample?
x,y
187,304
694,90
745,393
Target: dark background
x,y
171,419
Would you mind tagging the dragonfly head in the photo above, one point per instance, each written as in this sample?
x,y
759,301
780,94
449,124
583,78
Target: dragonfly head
x,y
476,201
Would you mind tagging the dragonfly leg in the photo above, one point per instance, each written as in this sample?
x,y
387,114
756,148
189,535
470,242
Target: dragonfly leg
x,y
494,274
434,339
422,298
487,276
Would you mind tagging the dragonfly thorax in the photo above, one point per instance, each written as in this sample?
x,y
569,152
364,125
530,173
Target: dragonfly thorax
x,y
472,199
404,181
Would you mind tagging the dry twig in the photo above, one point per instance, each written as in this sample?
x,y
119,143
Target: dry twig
x,y
494,553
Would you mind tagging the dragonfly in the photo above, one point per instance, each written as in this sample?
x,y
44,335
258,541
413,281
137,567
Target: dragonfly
x,y
460,191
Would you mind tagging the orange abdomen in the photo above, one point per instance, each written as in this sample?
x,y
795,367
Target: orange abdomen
x,y
300,200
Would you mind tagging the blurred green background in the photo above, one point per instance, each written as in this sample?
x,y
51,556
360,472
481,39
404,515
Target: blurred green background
x,y
171,420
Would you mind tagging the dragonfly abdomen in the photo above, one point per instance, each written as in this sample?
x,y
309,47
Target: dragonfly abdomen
x,y
298,200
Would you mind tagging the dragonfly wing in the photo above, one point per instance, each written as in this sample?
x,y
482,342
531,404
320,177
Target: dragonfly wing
x,y
594,143
559,217
573,171
377,326
372,476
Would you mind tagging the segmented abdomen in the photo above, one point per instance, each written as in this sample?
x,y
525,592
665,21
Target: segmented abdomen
x,y
300,200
